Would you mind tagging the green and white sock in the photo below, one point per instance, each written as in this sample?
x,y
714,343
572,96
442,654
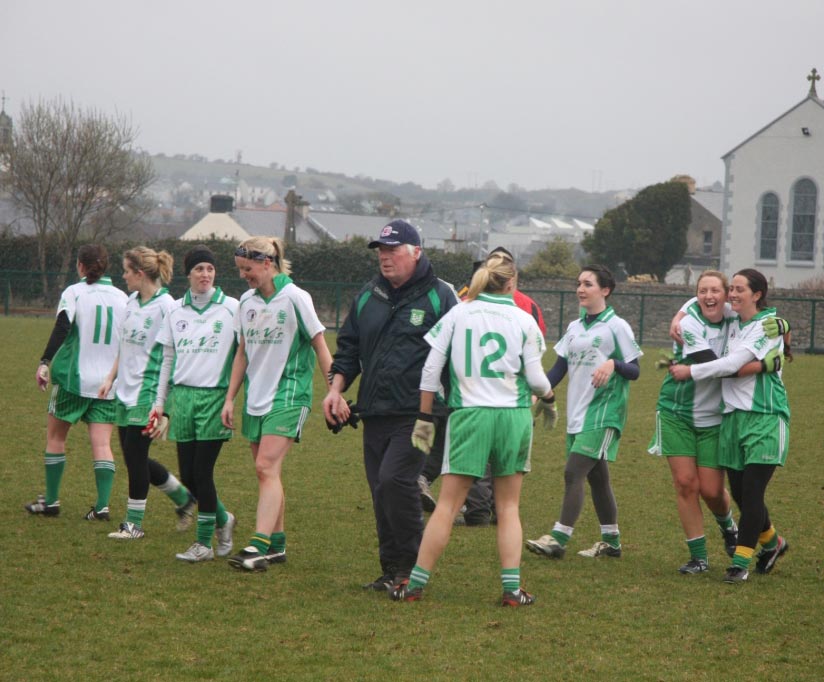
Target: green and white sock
x,y
104,480
135,510
418,577
176,491
55,463
511,579
561,533
698,547
611,535
205,528
725,521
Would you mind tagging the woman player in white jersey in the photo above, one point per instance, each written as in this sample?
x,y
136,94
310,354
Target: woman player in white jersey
x,y
198,338
81,350
137,370
754,433
600,354
493,350
279,335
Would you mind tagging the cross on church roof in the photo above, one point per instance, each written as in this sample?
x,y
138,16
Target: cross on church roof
x,y
3,100
813,77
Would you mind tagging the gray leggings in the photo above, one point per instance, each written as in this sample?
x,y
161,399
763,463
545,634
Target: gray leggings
x,y
596,471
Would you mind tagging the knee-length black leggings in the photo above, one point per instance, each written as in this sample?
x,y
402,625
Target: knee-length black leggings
x,y
143,470
196,460
748,488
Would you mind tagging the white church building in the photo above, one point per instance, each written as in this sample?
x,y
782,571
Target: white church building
x,y
772,214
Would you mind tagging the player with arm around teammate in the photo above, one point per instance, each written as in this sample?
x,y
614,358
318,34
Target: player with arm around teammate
x,y
754,434
81,350
279,337
198,338
599,353
493,349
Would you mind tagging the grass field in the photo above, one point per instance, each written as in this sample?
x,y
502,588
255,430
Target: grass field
x,y
75,605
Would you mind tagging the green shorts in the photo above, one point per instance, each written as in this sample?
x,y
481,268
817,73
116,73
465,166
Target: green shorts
x,y
281,422
598,444
476,436
132,416
72,408
752,438
194,414
676,438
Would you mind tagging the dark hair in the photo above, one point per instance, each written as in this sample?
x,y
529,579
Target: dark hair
x,y
95,260
605,278
758,285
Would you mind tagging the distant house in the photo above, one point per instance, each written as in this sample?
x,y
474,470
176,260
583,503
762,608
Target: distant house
x,y
772,217
218,223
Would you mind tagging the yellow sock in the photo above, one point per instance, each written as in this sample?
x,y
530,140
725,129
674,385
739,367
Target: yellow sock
x,y
767,536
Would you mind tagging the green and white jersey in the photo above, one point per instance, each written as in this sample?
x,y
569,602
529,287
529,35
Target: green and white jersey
x,y
585,347
698,403
278,332
490,344
203,339
87,354
762,392
138,370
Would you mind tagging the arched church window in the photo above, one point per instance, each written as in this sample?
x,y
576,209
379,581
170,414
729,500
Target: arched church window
x,y
802,238
768,227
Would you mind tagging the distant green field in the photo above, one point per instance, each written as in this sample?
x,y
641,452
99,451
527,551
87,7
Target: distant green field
x,y
75,605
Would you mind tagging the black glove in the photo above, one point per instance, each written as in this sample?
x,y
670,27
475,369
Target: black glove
x,y
337,427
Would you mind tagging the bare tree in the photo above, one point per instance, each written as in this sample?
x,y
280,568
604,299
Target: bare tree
x,y
77,175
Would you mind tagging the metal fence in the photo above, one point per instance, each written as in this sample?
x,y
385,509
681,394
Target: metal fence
x,y
648,312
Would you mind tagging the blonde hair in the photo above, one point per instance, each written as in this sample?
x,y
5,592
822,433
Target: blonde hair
x,y
156,265
271,247
492,277
713,273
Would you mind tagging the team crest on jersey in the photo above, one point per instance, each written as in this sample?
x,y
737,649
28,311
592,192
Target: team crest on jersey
x,y
416,317
596,342
436,329
762,341
251,315
281,317
181,326
147,323
689,338
218,326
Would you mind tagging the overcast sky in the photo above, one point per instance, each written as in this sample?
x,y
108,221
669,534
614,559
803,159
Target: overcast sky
x,y
601,94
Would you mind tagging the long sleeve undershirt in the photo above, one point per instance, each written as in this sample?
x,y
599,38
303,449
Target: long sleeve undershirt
x,y
723,367
61,330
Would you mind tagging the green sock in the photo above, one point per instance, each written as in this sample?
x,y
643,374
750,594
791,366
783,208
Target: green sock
x,y
260,542
418,577
511,579
135,509
205,528
698,548
612,539
104,479
277,542
725,521
561,537
222,517
55,463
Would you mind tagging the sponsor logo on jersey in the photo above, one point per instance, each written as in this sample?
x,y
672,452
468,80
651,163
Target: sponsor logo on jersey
x,y
281,317
416,317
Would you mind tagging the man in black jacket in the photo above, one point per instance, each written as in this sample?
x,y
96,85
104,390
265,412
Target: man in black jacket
x,y
382,339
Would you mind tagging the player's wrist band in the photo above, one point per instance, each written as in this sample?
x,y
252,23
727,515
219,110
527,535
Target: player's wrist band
x,y
549,401
424,417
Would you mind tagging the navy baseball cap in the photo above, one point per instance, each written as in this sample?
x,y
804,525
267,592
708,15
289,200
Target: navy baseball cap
x,y
396,233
